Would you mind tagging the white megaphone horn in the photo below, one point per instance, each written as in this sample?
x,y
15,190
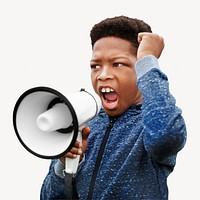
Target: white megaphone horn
x,y
47,123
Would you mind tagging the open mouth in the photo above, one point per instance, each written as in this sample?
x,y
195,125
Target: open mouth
x,y
109,97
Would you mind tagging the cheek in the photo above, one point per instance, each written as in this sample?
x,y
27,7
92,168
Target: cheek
x,y
128,89
128,81
94,81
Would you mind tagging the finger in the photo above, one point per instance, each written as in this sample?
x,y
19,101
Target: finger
x,y
73,153
76,151
85,132
139,37
78,144
70,155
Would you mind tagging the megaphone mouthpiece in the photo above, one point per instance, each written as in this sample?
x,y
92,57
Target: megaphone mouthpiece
x,y
57,117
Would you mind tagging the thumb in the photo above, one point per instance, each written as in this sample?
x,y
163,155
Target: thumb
x,y
85,132
140,35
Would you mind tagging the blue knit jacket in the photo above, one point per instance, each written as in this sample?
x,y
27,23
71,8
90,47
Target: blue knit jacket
x,y
140,151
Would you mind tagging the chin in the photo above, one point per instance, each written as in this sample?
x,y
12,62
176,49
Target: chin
x,y
113,113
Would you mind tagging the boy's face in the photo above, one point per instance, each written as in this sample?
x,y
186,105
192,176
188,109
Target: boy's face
x,y
113,75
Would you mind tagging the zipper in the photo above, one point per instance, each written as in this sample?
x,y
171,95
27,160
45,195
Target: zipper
x,y
99,157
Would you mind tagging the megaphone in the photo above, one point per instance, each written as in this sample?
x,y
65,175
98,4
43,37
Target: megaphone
x,y
47,123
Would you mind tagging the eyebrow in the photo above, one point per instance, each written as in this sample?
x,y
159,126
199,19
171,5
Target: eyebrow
x,y
95,60
112,58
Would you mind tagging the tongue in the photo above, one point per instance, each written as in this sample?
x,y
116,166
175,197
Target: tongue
x,y
111,96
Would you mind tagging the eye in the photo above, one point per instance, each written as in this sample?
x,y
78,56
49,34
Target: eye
x,y
95,66
118,64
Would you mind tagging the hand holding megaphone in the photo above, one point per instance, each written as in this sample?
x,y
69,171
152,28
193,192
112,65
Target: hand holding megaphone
x,y
79,146
47,123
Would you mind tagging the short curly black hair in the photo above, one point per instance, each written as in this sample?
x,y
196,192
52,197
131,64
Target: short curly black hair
x,y
121,27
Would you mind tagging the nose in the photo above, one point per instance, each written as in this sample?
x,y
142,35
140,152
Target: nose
x,y
105,73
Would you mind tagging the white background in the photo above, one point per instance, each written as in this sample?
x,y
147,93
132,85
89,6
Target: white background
x,y
47,43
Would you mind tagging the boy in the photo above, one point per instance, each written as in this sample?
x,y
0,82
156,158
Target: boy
x,y
130,148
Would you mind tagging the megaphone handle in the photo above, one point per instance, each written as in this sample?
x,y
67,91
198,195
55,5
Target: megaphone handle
x,y
71,164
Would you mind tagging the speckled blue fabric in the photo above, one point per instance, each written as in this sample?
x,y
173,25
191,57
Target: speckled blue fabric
x,y
140,151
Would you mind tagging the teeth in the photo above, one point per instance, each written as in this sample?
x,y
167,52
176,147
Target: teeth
x,y
107,90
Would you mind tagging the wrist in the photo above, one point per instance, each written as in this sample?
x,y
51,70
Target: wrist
x,y
145,64
58,168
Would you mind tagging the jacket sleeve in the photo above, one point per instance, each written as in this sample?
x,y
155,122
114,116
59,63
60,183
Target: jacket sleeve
x,y
53,186
164,127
